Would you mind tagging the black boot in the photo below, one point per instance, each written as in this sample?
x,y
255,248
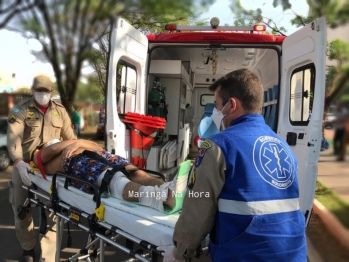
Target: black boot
x,y
28,255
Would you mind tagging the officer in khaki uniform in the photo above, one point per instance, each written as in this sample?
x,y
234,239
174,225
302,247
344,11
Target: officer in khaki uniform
x,y
32,122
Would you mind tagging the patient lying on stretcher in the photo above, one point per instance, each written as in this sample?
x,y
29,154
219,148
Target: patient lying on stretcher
x,y
138,186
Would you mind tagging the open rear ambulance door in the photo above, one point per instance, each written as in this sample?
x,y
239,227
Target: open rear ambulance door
x,y
126,80
302,103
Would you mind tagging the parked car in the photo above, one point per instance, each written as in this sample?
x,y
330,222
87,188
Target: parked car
x,y
330,117
4,156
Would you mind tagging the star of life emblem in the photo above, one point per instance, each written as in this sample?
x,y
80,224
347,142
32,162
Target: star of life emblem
x,y
274,162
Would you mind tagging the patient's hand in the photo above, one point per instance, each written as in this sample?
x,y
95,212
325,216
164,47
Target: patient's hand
x,y
70,150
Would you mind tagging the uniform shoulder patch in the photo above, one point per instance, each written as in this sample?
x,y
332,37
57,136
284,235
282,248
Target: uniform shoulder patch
x,y
11,119
16,109
205,145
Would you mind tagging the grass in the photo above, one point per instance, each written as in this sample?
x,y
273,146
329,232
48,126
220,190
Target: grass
x,y
333,202
338,206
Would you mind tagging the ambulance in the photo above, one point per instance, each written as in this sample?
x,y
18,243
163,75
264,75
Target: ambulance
x,y
183,62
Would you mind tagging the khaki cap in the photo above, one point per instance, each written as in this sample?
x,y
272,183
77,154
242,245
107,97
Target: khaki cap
x,y
42,81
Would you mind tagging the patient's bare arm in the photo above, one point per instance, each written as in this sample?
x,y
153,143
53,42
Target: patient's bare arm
x,y
79,145
68,148
53,157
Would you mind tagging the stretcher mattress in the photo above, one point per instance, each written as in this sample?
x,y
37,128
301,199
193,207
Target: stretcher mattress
x,y
142,222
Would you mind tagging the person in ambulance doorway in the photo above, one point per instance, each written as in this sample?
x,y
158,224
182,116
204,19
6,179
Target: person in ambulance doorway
x,y
32,122
243,187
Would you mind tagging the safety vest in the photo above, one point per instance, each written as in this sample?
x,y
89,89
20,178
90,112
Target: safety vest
x,y
258,216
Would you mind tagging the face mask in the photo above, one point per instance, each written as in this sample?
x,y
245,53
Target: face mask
x,y
42,98
217,117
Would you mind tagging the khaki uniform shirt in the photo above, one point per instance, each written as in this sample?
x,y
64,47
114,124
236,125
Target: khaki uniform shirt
x,y
29,127
201,201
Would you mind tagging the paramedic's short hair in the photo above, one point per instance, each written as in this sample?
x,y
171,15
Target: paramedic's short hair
x,y
243,85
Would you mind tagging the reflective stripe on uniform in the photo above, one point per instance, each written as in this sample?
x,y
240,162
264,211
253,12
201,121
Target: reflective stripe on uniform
x,y
258,207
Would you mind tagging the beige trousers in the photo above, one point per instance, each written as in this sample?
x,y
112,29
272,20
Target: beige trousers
x,y
25,228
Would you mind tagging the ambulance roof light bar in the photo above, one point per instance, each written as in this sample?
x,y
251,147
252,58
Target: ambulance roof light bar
x,y
214,27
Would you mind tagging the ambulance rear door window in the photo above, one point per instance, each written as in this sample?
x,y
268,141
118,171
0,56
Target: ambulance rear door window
x,y
126,87
301,95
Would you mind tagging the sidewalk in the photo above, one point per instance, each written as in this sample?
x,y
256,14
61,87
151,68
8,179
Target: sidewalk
x,y
335,176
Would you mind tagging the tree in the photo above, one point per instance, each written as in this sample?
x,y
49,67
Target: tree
x,y
337,77
24,91
337,14
89,92
67,30
10,9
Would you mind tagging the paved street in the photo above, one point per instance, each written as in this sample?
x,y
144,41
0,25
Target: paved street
x,y
334,174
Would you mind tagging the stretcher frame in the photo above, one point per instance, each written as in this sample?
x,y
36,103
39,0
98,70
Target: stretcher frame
x,y
73,215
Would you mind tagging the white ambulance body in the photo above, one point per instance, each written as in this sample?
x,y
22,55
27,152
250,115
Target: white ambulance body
x,y
189,59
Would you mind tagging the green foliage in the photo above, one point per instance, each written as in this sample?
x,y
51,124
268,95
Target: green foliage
x,y
336,11
338,50
252,17
89,92
24,91
330,76
301,20
11,9
335,204
284,3
92,118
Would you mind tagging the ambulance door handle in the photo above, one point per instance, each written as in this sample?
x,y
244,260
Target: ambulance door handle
x,y
291,138
310,144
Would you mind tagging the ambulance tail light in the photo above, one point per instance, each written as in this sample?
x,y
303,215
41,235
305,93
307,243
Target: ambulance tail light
x,y
259,28
171,27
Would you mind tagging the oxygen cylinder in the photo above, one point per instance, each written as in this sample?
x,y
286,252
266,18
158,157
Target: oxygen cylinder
x,y
157,101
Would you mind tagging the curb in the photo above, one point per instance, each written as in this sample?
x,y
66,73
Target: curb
x,y
332,224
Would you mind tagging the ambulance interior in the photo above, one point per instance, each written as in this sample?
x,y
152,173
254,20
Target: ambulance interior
x,y
184,73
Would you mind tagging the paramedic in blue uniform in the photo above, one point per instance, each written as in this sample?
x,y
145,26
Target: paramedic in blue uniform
x,y
31,122
243,186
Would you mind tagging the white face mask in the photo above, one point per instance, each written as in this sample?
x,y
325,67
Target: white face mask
x,y
217,117
42,98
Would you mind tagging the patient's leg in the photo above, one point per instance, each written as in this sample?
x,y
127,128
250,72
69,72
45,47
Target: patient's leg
x,y
154,196
143,178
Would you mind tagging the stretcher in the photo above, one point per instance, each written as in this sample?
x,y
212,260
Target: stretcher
x,y
142,225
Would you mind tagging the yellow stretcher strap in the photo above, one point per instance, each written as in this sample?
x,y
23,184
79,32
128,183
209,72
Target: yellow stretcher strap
x,y
32,165
99,211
